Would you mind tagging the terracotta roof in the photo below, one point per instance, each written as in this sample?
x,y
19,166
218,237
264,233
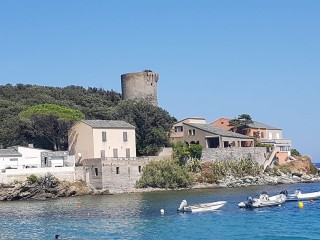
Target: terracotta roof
x,y
108,124
218,131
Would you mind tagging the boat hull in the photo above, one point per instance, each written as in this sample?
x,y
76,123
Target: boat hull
x,y
263,201
204,207
303,196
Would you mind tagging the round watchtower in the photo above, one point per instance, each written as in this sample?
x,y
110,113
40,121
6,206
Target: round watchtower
x,y
140,85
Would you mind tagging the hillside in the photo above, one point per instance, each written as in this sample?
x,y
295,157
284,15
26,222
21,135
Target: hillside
x,y
93,102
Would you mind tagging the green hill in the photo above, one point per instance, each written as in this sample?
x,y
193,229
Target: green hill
x,y
152,123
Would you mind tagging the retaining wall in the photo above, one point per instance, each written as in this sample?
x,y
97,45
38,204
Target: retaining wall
x,y
257,154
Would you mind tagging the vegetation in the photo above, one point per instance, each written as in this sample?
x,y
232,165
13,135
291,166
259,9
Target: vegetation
x,y
32,179
212,172
182,152
295,152
50,122
152,123
20,106
46,181
165,174
240,124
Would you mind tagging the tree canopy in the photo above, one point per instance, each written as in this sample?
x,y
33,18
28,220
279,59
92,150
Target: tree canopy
x,y
50,122
32,103
241,123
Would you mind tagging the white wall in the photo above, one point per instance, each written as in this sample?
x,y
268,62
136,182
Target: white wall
x,y
5,162
62,173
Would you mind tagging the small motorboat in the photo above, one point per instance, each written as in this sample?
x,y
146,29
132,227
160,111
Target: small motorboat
x,y
298,196
203,207
263,201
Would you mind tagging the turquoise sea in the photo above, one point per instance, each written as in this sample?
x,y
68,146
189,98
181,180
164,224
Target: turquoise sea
x,y
137,216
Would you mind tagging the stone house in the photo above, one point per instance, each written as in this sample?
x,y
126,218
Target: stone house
x,y
104,139
114,175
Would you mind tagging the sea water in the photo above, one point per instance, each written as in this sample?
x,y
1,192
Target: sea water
x,y
137,216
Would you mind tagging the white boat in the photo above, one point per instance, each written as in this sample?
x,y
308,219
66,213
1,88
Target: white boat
x,y
263,201
298,196
203,207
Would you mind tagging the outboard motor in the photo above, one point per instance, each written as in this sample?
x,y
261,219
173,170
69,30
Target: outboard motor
x,y
249,202
297,192
183,204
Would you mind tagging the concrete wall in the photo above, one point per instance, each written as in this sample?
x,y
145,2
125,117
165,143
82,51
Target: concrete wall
x,y
80,140
140,85
79,174
257,154
61,173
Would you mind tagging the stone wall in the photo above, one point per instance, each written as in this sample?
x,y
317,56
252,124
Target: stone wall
x,y
257,154
79,174
121,176
140,85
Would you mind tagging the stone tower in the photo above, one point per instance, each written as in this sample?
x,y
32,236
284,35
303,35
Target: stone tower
x,y
140,85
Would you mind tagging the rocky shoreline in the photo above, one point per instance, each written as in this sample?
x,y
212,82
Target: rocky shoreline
x,y
247,181
36,191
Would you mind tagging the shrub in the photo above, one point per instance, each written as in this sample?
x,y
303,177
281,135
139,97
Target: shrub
x,y
313,169
220,169
285,169
165,174
32,178
48,180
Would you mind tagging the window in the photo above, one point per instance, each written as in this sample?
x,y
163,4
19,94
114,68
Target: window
x,y
192,132
104,136
127,152
125,136
103,154
96,173
115,152
178,129
117,170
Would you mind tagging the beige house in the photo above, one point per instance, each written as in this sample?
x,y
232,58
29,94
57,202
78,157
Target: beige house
x,y
196,131
104,139
177,131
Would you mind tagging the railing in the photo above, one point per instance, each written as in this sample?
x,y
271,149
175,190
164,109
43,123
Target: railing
x,y
271,157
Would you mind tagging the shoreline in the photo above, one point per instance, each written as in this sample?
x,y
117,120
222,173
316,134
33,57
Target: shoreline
x,y
35,191
232,182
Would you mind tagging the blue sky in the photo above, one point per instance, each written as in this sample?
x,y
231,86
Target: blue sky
x,y
215,58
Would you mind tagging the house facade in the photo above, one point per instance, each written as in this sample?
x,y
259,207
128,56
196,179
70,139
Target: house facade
x,y
196,131
177,131
104,139
265,134
9,159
